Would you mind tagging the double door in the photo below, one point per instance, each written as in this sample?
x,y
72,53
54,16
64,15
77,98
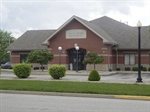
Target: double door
x,y
76,58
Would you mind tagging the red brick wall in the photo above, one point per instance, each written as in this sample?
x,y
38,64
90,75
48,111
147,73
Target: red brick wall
x,y
92,43
15,56
145,55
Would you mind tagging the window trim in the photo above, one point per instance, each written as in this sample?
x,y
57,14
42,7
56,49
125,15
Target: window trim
x,y
23,54
129,54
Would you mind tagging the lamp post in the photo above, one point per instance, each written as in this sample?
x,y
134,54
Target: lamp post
x,y
139,79
77,48
59,48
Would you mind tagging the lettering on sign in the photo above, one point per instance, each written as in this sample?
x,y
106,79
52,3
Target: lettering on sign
x,y
75,33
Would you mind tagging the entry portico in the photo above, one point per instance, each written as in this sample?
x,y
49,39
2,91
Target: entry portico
x,y
75,33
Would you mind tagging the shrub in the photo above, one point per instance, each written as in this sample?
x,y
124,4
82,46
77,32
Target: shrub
x,y
144,69
135,69
149,69
127,68
42,67
36,68
57,71
118,69
94,76
22,70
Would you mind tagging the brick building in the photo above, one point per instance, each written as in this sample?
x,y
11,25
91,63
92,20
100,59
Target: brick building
x,y
116,41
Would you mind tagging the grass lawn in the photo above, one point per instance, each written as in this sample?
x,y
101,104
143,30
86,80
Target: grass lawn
x,y
76,87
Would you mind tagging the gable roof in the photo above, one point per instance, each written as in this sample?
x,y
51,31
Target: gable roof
x,y
31,40
93,27
110,30
126,36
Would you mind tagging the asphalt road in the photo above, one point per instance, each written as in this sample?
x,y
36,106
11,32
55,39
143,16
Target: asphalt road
x,y
40,103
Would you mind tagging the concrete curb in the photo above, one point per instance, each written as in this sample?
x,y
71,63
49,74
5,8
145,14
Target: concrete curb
x,y
133,97
145,98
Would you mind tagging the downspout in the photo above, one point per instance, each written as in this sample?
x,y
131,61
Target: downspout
x,y
108,55
116,58
108,59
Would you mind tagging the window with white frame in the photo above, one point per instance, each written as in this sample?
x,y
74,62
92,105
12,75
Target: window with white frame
x,y
129,59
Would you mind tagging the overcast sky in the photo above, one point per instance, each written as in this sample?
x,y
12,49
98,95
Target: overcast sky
x,y
17,16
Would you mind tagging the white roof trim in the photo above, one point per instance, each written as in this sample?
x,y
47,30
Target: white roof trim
x,y
73,17
46,41
104,39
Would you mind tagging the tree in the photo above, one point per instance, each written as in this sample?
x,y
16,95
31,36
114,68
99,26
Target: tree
x,y
6,39
93,58
149,31
40,56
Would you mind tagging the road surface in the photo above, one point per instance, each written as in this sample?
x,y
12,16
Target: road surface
x,y
41,103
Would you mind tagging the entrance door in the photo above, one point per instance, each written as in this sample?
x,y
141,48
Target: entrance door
x,y
72,53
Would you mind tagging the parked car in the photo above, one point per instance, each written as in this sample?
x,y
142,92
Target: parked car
x,y
7,65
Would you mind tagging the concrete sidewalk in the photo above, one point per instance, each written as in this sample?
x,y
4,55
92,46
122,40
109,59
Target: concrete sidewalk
x,y
71,72
84,72
128,77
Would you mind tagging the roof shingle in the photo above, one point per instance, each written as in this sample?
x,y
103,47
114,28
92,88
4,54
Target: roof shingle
x,y
126,36
110,30
31,40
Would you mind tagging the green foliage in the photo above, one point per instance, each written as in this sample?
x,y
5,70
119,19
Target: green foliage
x,y
5,39
94,76
144,69
118,69
36,68
76,87
93,58
149,31
135,69
57,71
127,68
40,56
149,69
22,70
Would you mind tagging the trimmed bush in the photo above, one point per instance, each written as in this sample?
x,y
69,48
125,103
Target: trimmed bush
x,y
22,70
127,69
94,76
36,68
135,69
149,69
42,67
144,69
57,71
118,69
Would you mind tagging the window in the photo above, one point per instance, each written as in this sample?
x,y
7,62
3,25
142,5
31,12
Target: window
x,y
129,59
23,58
